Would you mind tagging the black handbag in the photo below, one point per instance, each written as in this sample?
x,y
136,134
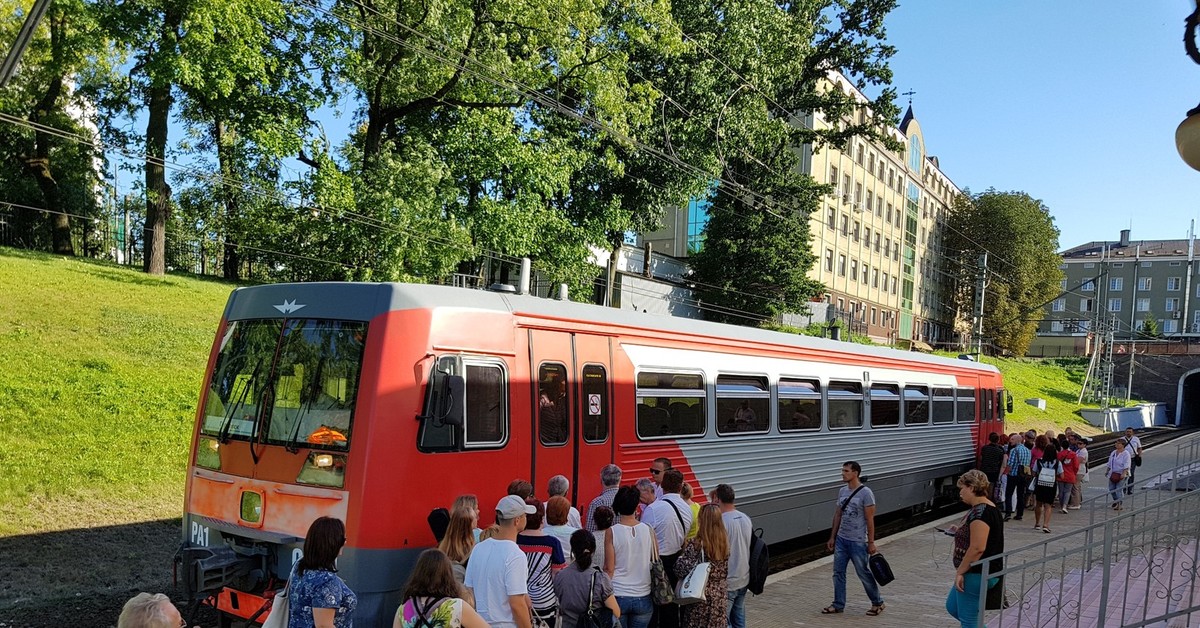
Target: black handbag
x,y
880,569
589,618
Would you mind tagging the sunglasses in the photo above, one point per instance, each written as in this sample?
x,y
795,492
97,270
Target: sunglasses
x,y
655,471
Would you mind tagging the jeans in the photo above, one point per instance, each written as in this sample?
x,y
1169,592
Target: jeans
x,y
964,605
737,607
1129,480
852,551
1117,491
635,611
1015,495
1064,494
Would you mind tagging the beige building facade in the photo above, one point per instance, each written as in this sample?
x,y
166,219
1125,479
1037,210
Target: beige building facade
x,y
877,236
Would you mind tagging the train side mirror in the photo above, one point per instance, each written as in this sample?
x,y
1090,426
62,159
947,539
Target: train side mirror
x,y
453,406
1008,402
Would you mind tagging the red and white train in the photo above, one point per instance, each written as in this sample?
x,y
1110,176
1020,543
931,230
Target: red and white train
x,y
377,403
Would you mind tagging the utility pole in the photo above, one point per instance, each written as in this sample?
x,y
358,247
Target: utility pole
x,y
980,294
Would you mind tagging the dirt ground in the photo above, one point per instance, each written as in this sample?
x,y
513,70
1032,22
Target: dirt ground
x,y
82,577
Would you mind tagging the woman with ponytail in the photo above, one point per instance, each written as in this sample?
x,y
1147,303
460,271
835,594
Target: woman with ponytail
x,y
581,582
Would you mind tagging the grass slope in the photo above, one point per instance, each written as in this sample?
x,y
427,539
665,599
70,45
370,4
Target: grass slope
x,y
98,392
1056,381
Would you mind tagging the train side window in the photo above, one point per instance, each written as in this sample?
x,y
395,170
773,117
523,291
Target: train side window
x,y
743,404
553,404
845,405
989,404
943,405
670,404
595,399
916,405
799,404
966,405
487,405
885,405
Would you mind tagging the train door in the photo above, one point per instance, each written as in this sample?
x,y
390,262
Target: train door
x,y
571,412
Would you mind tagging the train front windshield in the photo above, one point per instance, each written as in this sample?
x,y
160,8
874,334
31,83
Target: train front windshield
x,y
289,382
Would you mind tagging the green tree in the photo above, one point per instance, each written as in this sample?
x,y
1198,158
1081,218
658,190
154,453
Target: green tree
x,y
754,72
1018,234
1150,329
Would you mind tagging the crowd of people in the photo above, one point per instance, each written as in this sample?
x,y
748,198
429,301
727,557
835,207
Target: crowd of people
x,y
542,564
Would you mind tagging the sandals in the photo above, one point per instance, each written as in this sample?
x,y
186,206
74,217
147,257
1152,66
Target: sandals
x,y
831,610
876,610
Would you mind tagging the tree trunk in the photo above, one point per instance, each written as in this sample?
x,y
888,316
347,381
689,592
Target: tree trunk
x,y
158,192
38,165
231,259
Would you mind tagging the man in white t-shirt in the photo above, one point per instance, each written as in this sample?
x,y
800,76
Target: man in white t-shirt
x,y
1135,453
738,528
497,571
670,517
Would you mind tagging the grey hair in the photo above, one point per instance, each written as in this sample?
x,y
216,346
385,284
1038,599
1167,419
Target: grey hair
x,y
610,475
559,485
145,610
644,484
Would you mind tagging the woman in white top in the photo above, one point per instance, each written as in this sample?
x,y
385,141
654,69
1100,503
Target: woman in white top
x,y
1119,463
628,548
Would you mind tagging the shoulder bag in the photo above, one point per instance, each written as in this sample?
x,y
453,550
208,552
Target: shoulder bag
x,y
422,618
690,590
589,618
880,569
846,502
278,617
661,592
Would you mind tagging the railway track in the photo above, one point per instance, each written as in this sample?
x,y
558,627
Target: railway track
x,y
796,552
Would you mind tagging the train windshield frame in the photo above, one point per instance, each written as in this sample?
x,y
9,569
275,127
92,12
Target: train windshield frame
x,y
286,381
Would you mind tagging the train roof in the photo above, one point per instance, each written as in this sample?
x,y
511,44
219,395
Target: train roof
x,y
364,301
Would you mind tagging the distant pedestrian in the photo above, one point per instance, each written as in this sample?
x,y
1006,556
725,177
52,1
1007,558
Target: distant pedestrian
x,y
1118,468
317,596
1135,457
1083,476
149,610
852,539
497,574
432,598
991,459
1017,470
739,528
1047,472
1070,472
610,479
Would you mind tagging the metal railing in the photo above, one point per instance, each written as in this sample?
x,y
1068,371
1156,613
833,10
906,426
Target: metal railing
x,y
1149,490
1137,568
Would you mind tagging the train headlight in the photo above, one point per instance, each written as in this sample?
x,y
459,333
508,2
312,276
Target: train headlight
x,y
323,470
252,507
208,453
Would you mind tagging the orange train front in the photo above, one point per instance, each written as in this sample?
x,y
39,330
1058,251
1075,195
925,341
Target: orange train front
x,y
377,403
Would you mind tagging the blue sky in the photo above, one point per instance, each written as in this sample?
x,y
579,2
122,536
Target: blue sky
x,y
1075,103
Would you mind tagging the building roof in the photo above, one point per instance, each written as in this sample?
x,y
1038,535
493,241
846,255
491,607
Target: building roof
x,y
1134,249
908,117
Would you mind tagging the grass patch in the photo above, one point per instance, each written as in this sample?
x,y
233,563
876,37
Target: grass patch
x,y
1057,380
98,395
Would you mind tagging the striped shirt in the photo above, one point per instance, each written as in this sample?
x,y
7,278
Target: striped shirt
x,y
542,553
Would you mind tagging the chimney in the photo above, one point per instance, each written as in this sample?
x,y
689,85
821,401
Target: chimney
x,y
1124,237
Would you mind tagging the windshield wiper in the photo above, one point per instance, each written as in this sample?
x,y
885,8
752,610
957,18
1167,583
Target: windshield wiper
x,y
291,445
223,433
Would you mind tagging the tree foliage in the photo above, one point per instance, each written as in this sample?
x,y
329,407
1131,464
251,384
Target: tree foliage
x,y
1018,234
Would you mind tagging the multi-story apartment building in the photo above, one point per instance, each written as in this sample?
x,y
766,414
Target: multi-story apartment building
x,y
877,236
1120,286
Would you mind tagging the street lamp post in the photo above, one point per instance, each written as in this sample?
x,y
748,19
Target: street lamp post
x,y
1187,136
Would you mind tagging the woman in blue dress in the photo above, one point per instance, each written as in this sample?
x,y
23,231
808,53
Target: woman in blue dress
x,y
317,597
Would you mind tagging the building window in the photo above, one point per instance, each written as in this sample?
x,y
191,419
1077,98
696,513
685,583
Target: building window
x,y
885,282
829,260
871,162
1118,265
1143,284
1114,305
858,155
858,195
1089,265
831,218
857,229
875,312
845,224
1116,283
842,265
1058,305
893,285
1170,326
1056,326
879,205
1085,305
853,270
867,236
1171,305
697,221
887,247
1147,264
877,238
875,278
1174,283
866,269
1088,286
1142,305
833,177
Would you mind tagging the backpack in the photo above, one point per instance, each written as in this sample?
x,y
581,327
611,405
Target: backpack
x,y
1047,474
759,559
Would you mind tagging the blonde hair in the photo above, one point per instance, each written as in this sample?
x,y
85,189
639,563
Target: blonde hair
x,y
976,481
711,533
685,491
465,503
489,532
460,535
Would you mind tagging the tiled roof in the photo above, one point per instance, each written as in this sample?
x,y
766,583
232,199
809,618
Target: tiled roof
x,y
1135,248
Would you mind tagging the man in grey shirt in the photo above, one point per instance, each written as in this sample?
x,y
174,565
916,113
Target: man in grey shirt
x,y
738,528
853,539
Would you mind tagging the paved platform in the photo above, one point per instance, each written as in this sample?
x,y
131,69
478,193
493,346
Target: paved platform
x,y
920,557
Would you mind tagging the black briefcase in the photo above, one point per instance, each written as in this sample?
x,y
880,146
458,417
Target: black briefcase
x,y
880,569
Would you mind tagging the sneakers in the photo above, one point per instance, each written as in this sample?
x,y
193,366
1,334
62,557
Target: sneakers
x,y
1074,507
1063,511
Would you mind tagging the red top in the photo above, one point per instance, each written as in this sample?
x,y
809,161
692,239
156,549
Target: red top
x,y
1070,464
